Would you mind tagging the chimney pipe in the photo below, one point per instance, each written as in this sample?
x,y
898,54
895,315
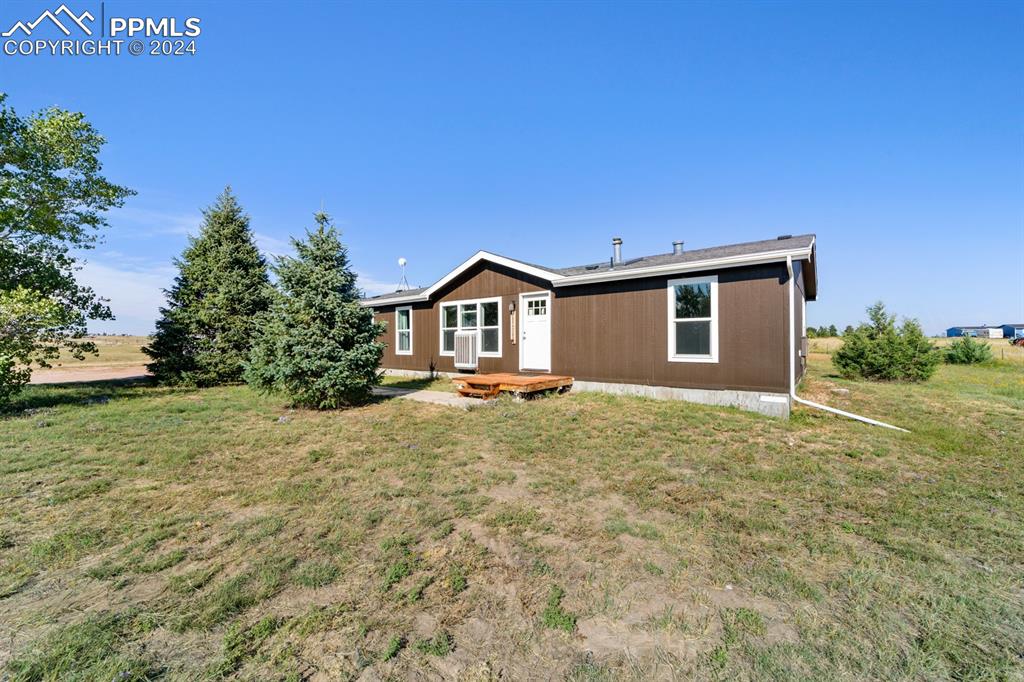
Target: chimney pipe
x,y
677,248
617,247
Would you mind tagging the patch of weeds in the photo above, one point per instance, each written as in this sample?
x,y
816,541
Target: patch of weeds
x,y
84,651
238,593
107,569
317,454
397,543
540,567
589,671
441,644
298,492
395,644
163,562
192,581
318,619
653,568
554,615
316,573
443,530
242,643
742,621
76,491
253,530
717,658
496,477
514,517
373,517
457,581
66,546
6,539
618,525
401,562
271,574
396,571
416,592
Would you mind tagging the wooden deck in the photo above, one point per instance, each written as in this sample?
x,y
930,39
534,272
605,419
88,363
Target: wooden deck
x,y
488,386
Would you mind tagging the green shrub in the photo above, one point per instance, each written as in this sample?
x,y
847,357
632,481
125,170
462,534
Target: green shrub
x,y
880,351
967,351
317,345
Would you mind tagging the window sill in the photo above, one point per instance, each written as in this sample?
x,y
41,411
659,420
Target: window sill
x,y
693,358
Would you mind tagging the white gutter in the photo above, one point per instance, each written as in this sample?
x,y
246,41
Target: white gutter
x,y
792,365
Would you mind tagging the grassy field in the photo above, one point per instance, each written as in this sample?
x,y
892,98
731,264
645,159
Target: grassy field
x,y
1001,348
149,532
113,351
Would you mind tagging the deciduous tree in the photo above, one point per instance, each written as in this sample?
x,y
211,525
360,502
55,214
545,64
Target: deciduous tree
x,y
53,204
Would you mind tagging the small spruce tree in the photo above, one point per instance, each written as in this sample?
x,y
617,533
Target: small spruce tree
x,y
882,352
967,351
205,331
317,345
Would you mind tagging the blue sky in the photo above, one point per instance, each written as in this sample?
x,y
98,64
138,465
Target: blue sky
x,y
541,130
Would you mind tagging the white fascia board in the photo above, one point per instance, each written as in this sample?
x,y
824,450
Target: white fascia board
x,y
498,260
673,268
466,265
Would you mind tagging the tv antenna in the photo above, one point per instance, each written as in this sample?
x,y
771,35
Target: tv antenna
x,y
404,284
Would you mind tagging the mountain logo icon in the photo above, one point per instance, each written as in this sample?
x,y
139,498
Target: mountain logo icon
x,y
78,20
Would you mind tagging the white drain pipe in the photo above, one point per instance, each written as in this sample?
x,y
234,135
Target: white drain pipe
x,y
792,365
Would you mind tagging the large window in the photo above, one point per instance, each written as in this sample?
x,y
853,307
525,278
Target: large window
x,y
482,316
693,319
403,331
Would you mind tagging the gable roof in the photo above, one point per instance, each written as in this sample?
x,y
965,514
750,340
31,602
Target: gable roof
x,y
800,247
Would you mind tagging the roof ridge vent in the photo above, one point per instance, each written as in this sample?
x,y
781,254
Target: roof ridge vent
x,y
784,236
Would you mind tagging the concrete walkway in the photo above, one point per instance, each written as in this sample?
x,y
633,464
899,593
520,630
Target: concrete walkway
x,y
435,397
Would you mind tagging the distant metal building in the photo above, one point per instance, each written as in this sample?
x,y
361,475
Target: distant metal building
x,y
981,332
1013,331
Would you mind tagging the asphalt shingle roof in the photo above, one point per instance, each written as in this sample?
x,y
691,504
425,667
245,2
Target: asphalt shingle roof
x,y
715,252
685,258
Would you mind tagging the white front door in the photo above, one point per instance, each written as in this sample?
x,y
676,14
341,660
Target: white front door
x,y
535,331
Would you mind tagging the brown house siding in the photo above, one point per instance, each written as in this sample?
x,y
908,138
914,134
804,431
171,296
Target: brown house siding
x,y
618,331
483,281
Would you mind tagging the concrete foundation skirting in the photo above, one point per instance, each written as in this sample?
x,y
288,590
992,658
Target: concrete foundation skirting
x,y
420,374
771,404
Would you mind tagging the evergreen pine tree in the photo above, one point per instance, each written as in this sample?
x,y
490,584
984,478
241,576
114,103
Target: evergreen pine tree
x,y
205,332
317,345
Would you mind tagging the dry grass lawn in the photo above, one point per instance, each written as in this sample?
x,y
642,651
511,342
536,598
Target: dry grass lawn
x,y
167,533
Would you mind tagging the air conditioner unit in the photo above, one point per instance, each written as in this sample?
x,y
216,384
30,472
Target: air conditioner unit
x,y
465,350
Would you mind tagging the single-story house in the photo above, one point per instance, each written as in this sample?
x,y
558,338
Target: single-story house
x,y
721,325
1013,331
980,331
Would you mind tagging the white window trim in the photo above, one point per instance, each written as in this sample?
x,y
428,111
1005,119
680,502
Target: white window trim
x,y
671,294
397,331
479,328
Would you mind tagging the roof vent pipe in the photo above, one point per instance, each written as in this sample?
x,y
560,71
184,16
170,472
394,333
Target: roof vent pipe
x,y
617,249
677,248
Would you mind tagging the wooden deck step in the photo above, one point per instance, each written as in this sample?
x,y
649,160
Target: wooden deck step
x,y
489,385
486,392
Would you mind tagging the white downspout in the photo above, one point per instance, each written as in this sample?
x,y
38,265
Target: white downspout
x,y
792,365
